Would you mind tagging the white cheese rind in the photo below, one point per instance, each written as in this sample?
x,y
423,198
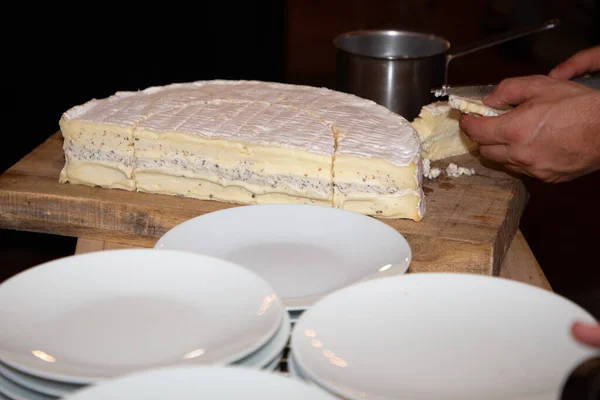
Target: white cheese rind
x,y
248,142
467,105
366,126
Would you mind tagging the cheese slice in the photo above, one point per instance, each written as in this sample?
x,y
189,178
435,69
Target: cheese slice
x,y
248,142
468,105
439,131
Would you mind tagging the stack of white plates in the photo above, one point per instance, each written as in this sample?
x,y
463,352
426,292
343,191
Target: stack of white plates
x,y
305,252
214,383
439,336
83,319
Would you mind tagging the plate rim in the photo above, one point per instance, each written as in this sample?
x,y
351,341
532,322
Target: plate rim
x,y
28,385
312,376
87,379
139,376
285,327
302,303
4,381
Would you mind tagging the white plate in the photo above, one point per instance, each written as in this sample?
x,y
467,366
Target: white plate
x,y
215,383
303,251
436,335
39,385
265,355
93,316
16,392
272,366
293,369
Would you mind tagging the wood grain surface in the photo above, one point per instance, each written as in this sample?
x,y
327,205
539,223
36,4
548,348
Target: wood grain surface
x,y
469,223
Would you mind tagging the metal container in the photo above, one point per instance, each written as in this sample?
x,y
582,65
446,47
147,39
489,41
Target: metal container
x,y
398,69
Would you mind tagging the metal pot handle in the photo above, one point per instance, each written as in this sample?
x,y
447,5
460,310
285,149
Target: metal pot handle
x,y
497,39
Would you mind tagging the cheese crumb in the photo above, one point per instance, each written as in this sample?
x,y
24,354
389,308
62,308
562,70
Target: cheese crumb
x,y
455,171
428,172
434,173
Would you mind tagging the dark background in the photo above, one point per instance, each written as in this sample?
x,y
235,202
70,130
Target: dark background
x,y
59,58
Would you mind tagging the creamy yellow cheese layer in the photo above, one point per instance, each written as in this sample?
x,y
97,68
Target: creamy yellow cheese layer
x,y
372,187
376,173
258,168
95,174
405,204
99,143
448,146
439,131
207,190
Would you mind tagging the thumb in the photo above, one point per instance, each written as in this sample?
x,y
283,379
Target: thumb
x,y
587,333
514,91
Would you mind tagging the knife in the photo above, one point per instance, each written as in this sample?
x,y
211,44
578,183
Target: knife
x,y
480,91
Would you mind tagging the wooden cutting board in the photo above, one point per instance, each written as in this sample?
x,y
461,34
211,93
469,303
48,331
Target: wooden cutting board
x,y
469,224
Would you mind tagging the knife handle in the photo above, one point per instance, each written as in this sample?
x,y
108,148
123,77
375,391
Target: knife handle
x,y
496,40
501,38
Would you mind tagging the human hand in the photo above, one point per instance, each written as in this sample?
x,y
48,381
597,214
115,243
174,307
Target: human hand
x,y
585,61
587,333
552,134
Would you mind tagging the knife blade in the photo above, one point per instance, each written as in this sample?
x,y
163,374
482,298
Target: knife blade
x,y
472,91
480,91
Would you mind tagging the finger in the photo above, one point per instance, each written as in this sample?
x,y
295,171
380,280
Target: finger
x,y
495,152
587,333
483,130
587,60
514,91
500,155
516,169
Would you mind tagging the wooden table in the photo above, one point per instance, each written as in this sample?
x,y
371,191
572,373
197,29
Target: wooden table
x,y
471,223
